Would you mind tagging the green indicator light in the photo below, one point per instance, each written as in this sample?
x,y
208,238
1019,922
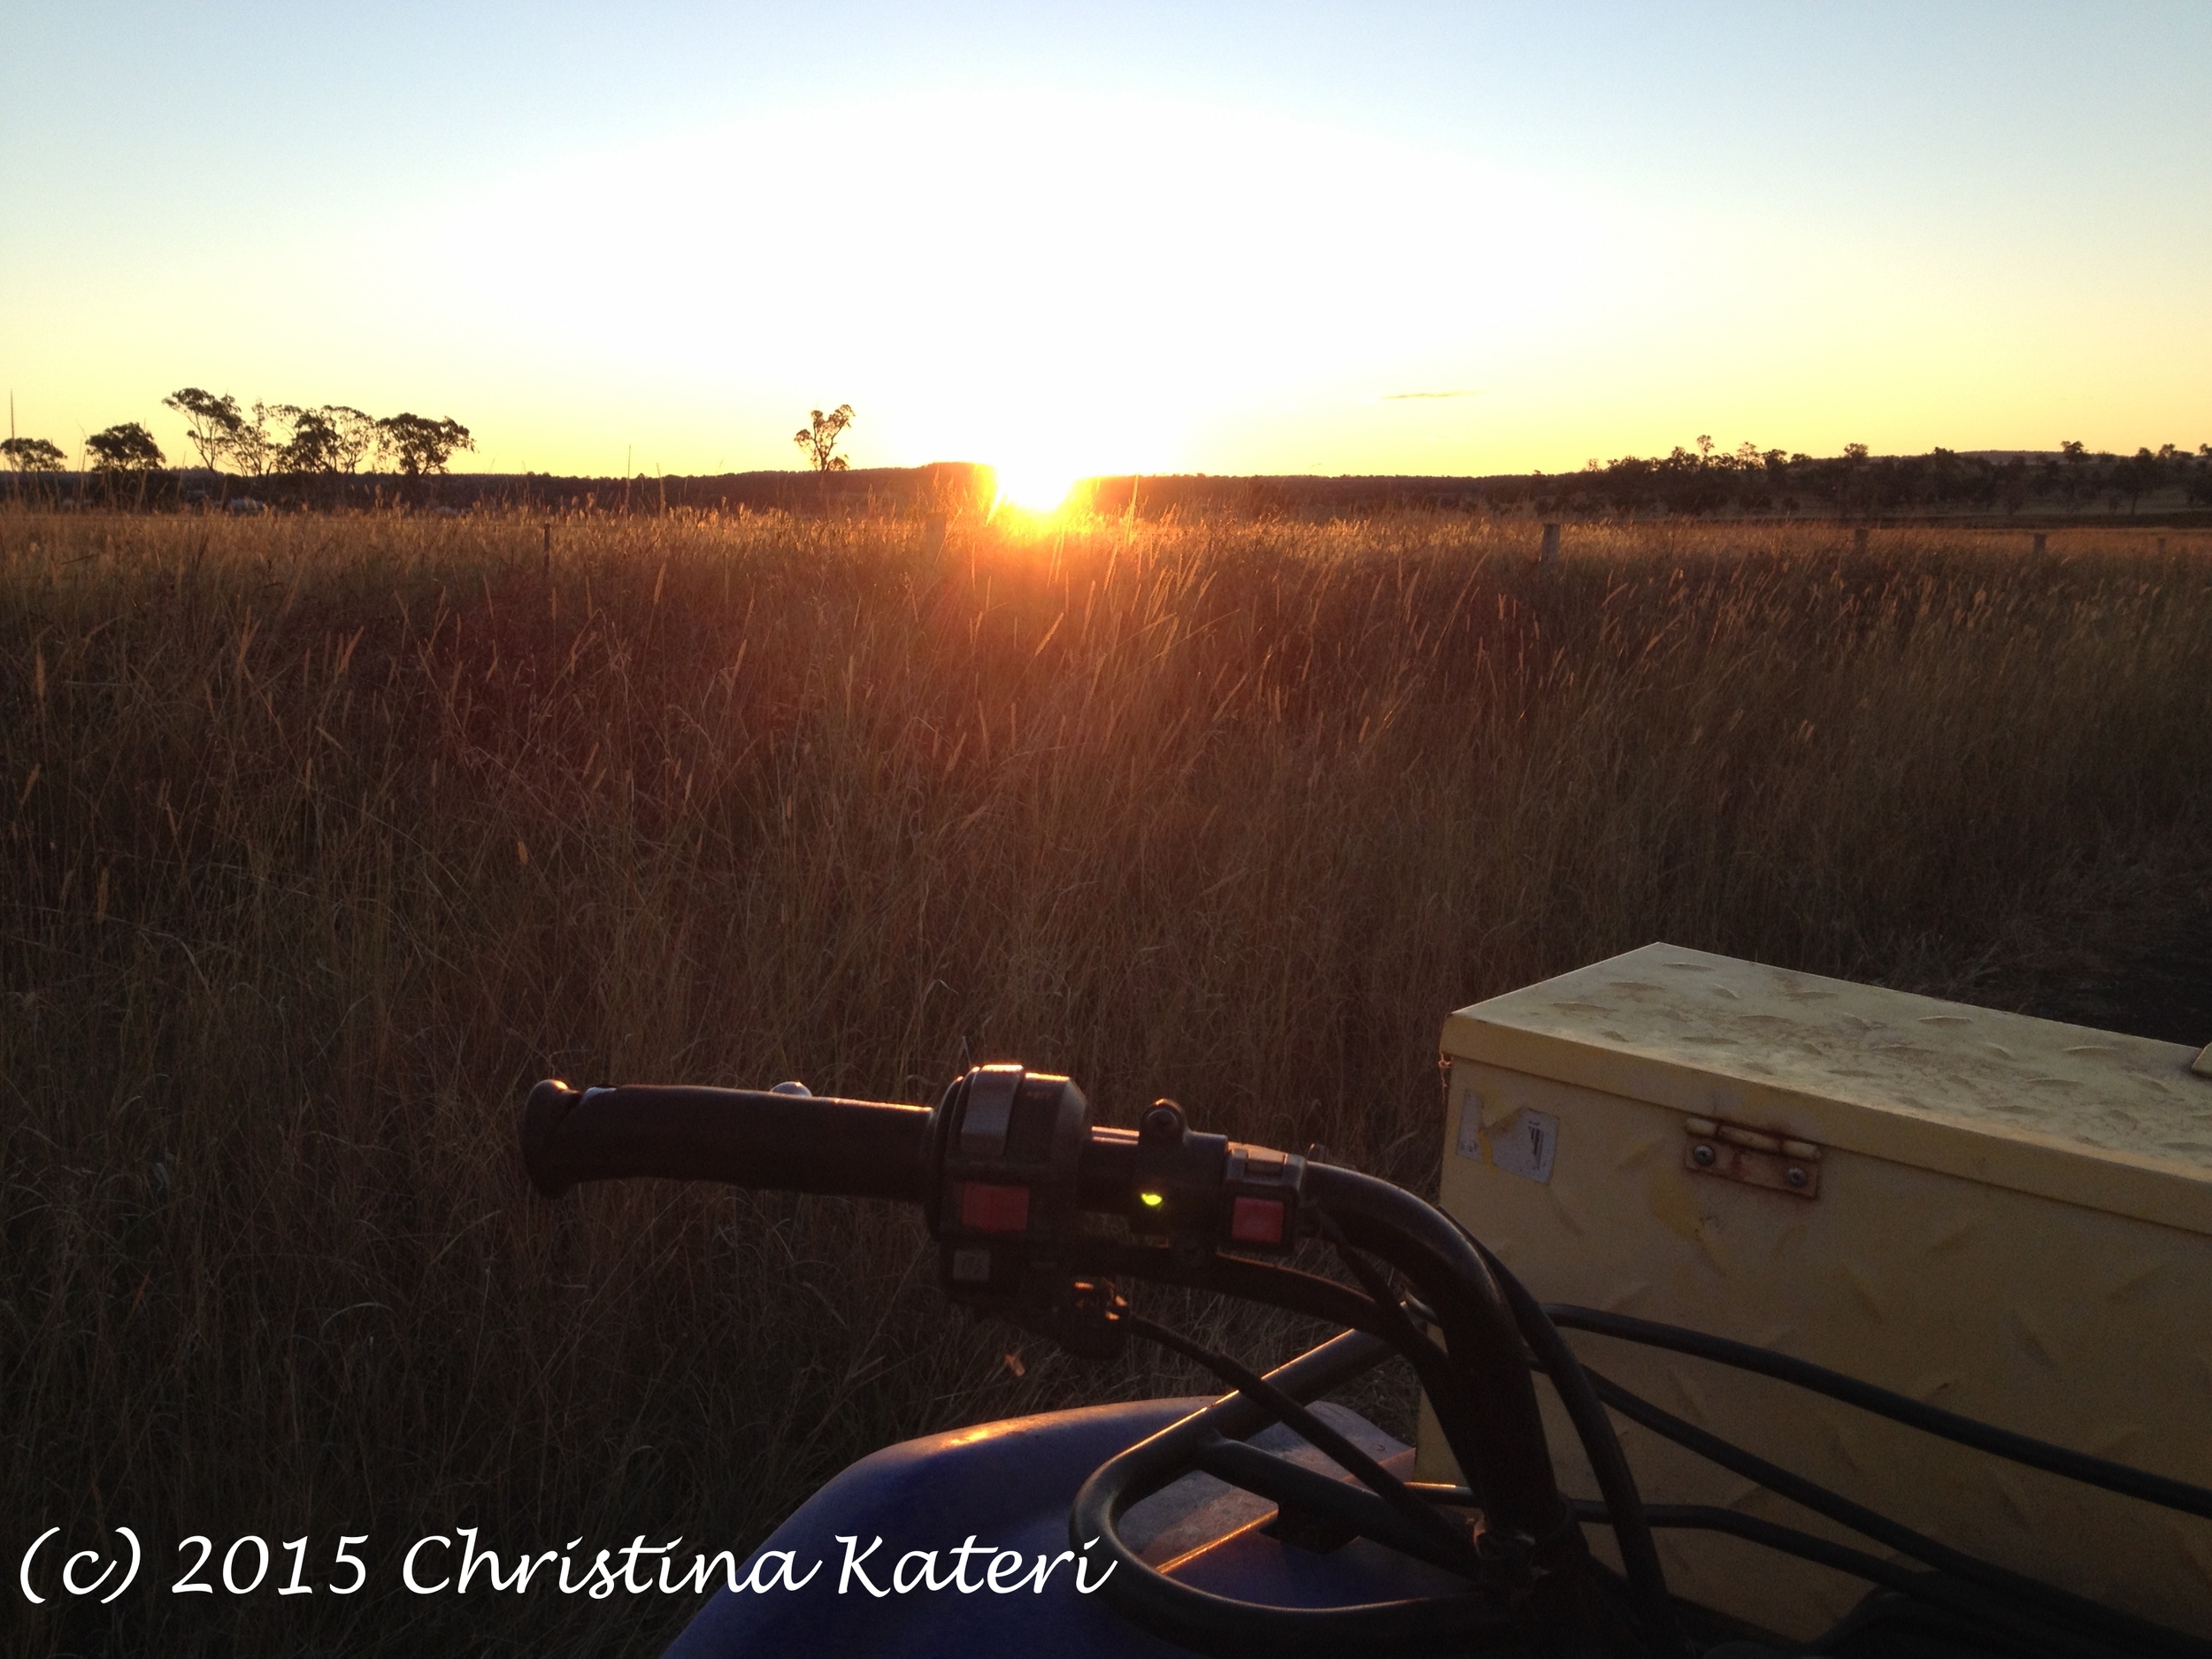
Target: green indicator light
x,y
1150,1201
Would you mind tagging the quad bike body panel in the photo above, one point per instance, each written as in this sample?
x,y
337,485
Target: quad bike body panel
x,y
1009,1485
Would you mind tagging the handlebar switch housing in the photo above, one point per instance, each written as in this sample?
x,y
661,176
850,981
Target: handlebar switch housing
x,y
1011,1144
1261,1189
1199,1193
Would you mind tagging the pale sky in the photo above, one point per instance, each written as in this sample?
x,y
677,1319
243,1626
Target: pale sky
x,y
1065,239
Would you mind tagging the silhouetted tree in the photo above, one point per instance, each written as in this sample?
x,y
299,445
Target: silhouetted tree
x,y
2141,474
303,447
314,440
330,439
419,444
32,455
212,422
258,450
128,448
818,437
353,436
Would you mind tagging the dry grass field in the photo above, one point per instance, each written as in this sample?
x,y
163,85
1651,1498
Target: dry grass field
x,y
327,836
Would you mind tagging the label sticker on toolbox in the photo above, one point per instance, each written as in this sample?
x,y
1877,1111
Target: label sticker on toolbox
x,y
1471,1125
1524,1147
1524,1144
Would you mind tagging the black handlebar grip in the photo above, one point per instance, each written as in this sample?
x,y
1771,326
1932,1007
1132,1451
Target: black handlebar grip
x,y
747,1137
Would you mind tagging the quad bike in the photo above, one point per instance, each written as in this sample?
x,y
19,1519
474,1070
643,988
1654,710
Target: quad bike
x,y
1154,1550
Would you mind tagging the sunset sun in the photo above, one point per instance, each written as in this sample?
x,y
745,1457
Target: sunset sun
x,y
1036,485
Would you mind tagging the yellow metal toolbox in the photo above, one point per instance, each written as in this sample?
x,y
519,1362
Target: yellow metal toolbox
x,y
2006,1217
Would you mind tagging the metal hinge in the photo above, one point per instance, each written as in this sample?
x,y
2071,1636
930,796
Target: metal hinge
x,y
1752,1157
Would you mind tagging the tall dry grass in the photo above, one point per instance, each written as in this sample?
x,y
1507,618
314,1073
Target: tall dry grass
x,y
327,836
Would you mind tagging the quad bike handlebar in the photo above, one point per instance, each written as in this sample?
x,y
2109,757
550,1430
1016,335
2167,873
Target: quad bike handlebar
x,y
1015,1179
1007,1167
745,1137
1037,1211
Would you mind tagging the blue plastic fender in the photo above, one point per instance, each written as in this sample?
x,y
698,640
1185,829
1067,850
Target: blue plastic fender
x,y
1003,1491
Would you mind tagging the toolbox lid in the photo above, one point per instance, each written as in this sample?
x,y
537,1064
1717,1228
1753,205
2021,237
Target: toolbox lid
x,y
2117,1124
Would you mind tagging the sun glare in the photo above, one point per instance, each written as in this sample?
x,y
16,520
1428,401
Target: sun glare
x,y
1035,487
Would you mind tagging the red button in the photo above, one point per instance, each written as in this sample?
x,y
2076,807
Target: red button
x,y
1256,1221
987,1208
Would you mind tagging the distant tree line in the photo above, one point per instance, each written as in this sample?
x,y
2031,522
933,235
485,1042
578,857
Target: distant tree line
x,y
1751,479
275,439
334,440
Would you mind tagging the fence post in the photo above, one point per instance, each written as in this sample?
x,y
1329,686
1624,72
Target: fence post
x,y
1858,539
1549,553
2042,543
